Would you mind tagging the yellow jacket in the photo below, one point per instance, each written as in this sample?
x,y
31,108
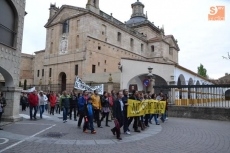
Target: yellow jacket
x,y
96,101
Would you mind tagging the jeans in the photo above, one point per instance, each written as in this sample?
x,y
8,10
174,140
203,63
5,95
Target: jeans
x,y
106,116
65,112
73,108
81,113
147,116
126,122
97,114
136,121
52,110
41,108
58,110
89,124
0,116
155,117
35,112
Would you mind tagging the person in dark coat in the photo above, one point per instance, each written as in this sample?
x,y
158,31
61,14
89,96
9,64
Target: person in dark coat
x,y
81,105
136,119
126,120
24,101
118,115
73,105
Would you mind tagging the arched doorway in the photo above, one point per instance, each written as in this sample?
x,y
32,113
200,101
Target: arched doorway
x,y
137,83
227,94
190,90
62,81
181,81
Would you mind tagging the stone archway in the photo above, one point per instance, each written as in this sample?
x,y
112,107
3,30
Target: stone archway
x,y
62,80
9,82
137,82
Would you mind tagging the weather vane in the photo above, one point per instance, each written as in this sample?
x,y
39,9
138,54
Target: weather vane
x,y
227,58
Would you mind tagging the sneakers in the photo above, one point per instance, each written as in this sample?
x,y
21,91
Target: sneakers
x,y
107,125
85,131
64,121
93,132
127,132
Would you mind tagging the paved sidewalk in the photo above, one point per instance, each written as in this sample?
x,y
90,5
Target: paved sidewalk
x,y
175,136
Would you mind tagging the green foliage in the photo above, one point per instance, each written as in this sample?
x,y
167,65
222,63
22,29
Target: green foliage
x,y
202,71
25,85
20,84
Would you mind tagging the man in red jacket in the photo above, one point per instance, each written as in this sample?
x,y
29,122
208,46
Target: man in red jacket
x,y
33,101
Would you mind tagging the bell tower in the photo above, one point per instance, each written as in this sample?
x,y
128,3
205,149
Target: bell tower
x,y
93,5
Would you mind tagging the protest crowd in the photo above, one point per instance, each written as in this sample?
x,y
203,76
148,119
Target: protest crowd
x,y
89,108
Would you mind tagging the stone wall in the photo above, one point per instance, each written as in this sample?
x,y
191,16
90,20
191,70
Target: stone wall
x,y
222,114
10,59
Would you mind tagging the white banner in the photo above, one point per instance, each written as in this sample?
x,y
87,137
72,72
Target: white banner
x,y
80,85
28,90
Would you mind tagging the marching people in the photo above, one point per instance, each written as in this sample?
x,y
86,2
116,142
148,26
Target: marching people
x,y
96,101
81,105
111,101
135,96
126,120
33,102
88,116
53,100
73,105
2,105
155,116
146,116
64,103
24,101
118,115
42,100
58,109
105,108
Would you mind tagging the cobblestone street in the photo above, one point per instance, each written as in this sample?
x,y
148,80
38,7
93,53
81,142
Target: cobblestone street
x,y
177,135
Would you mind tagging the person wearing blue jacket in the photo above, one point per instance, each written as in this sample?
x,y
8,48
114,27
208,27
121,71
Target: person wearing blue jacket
x,y
82,100
88,112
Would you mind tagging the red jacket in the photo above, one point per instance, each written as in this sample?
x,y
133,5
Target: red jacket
x,y
53,100
33,99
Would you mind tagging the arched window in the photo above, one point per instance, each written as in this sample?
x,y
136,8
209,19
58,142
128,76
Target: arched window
x,y
7,23
65,28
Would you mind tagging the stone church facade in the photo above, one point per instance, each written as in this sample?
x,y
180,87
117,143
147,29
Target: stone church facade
x,y
89,43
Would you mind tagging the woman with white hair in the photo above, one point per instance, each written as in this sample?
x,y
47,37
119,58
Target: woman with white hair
x,y
42,101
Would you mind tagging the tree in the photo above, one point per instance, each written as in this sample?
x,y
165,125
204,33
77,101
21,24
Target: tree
x,y
20,84
25,85
202,71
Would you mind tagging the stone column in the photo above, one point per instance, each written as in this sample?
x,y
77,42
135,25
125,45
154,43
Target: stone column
x,y
177,97
11,111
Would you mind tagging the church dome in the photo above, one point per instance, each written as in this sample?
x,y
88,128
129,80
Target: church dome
x,y
138,13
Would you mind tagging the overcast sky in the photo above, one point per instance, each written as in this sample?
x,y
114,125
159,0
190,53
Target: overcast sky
x,y
200,40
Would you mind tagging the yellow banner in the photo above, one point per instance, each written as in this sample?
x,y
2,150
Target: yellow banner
x,y
150,106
